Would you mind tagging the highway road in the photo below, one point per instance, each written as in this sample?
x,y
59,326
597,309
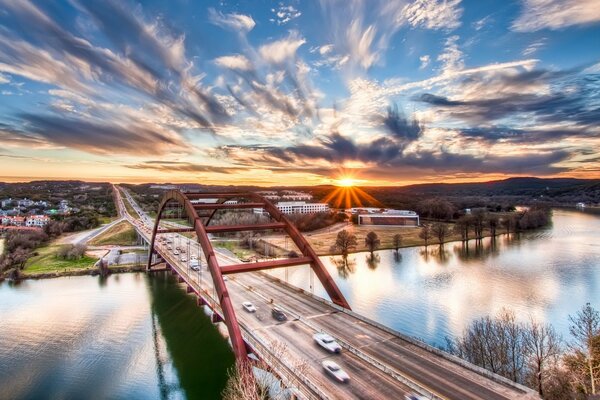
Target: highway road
x,y
381,364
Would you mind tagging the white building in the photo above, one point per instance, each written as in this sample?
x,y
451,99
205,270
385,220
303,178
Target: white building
x,y
390,217
37,220
297,207
211,201
296,196
24,203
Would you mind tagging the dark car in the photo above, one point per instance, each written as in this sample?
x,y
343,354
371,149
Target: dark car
x,y
278,314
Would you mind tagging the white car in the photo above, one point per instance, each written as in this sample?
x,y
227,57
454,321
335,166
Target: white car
x,y
249,306
195,267
327,342
176,252
414,396
183,259
333,369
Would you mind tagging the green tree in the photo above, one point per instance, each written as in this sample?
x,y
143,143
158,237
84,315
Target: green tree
x,y
372,242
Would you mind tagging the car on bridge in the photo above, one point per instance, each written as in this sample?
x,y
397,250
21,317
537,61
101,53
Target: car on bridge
x,y
249,306
327,342
176,252
415,396
278,314
183,259
335,371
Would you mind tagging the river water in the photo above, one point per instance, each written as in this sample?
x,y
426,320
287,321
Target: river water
x,y
129,336
139,336
434,294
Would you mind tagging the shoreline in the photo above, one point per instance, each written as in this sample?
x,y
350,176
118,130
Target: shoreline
x,y
419,245
88,271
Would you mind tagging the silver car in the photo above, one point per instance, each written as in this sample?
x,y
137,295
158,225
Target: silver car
x,y
335,371
327,342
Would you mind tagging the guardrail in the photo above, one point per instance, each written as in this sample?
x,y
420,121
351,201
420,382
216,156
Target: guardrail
x,y
272,360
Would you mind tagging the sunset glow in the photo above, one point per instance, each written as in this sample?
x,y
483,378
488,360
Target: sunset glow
x,y
435,91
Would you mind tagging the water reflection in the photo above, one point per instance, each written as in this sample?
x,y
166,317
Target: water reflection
x,y
70,337
435,292
372,260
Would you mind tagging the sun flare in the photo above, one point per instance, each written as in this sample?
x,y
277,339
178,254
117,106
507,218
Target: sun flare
x,y
346,182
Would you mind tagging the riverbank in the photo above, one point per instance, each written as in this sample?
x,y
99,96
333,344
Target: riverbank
x,y
80,272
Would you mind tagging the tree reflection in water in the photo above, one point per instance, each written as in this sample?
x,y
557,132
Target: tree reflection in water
x,y
372,260
439,254
344,266
397,257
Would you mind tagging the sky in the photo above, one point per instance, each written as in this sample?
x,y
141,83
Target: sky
x,y
299,92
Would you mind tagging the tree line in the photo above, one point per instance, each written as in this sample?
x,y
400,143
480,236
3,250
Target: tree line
x,y
533,353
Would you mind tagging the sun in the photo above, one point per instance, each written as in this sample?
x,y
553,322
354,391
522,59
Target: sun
x,y
346,182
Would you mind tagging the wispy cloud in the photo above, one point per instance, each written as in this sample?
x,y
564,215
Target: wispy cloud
x,y
284,14
556,14
234,22
433,14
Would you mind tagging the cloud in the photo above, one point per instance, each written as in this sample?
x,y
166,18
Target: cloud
x,y
234,22
178,166
482,23
534,47
425,60
283,50
400,127
284,14
4,79
237,61
103,137
556,14
433,14
452,57
540,96
383,158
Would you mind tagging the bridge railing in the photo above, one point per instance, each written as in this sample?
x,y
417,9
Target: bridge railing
x,y
282,368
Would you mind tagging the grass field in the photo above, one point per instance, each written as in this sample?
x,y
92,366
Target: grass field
x,y
47,262
122,234
106,220
323,240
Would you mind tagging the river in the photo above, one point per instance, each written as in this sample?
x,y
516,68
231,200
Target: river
x,y
433,294
128,336
139,336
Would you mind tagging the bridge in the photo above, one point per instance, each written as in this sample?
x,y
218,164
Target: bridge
x,y
382,363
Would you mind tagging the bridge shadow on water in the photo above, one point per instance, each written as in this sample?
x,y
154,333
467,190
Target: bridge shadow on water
x,y
199,354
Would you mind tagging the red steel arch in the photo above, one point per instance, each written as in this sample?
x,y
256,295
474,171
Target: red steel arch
x,y
202,229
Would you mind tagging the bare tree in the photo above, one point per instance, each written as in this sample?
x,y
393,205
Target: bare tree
x,y
463,226
344,242
372,242
585,330
441,231
543,348
493,221
241,384
426,234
